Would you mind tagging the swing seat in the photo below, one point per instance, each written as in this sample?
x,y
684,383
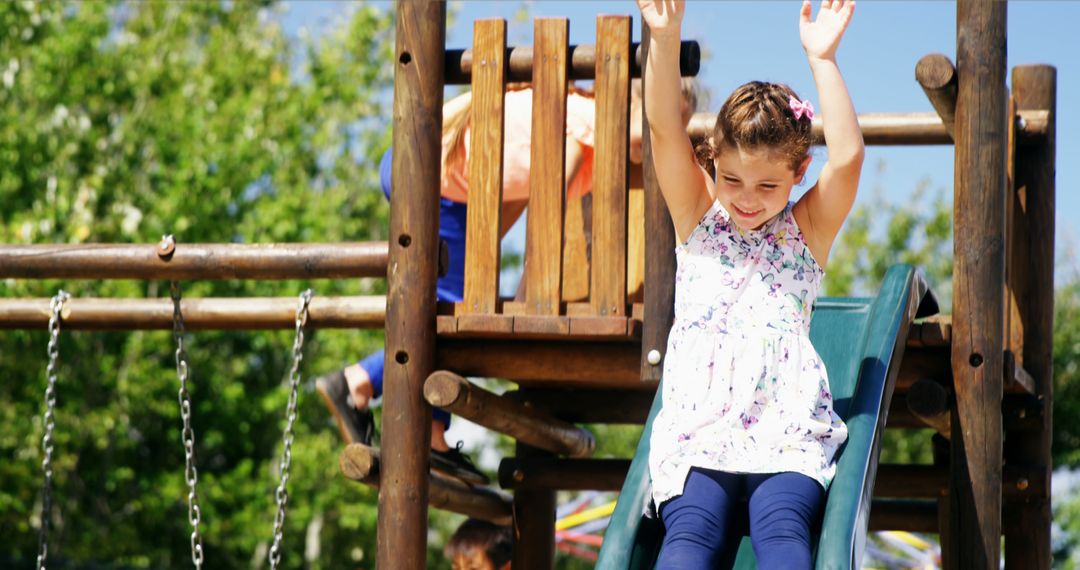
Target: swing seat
x,y
862,342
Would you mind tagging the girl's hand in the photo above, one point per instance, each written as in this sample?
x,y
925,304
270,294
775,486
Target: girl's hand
x,y
821,37
664,17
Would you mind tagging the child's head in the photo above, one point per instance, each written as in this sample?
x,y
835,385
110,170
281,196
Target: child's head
x,y
480,545
760,148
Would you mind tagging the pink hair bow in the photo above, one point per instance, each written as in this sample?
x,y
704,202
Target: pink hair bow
x,y
801,108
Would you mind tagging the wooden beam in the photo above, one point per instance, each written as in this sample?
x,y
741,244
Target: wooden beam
x,y
167,260
546,363
933,362
937,76
534,521
582,63
248,313
411,275
909,515
906,481
1027,537
360,463
902,129
978,284
457,395
563,474
589,406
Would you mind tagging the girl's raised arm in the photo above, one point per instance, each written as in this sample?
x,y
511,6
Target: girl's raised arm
x,y
822,210
684,184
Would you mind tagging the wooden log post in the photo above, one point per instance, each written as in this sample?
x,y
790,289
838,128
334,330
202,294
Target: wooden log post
x,y
659,261
360,463
937,76
457,395
1027,537
978,285
411,275
534,521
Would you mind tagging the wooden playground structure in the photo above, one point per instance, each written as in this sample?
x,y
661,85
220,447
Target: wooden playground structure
x,y
585,343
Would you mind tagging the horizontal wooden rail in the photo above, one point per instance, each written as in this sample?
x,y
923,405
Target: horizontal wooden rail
x,y
897,128
906,481
195,261
563,474
530,426
935,363
546,363
199,314
909,515
361,463
459,63
590,406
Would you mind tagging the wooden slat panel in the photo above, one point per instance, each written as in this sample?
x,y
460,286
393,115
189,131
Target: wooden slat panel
x,y
485,168
543,246
608,291
577,237
635,244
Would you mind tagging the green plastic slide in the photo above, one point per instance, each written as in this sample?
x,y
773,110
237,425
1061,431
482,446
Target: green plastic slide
x,y
862,342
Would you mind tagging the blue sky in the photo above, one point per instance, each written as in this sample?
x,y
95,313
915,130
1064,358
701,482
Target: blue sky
x,y
744,40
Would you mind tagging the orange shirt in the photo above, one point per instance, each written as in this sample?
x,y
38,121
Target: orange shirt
x,y
517,141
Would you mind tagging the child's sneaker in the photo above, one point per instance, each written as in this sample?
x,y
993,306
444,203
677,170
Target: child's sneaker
x,y
356,426
456,464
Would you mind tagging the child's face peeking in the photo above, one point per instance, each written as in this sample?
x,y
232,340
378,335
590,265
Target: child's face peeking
x,y
472,559
754,185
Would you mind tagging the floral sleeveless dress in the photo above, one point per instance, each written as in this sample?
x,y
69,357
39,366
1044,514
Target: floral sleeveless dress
x,y
744,390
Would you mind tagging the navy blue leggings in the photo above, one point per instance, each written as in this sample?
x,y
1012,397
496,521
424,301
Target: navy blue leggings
x,y
702,531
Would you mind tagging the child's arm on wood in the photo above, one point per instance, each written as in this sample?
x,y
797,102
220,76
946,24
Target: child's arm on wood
x,y
684,184
822,210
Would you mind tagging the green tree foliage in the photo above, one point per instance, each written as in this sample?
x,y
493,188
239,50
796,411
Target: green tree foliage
x,y
120,122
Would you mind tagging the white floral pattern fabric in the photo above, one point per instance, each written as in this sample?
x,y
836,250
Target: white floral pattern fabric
x,y
744,389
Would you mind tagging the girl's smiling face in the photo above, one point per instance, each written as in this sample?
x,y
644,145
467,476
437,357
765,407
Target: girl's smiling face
x,y
754,185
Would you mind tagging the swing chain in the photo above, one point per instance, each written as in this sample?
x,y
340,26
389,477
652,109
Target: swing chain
x,y
286,458
55,307
191,476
